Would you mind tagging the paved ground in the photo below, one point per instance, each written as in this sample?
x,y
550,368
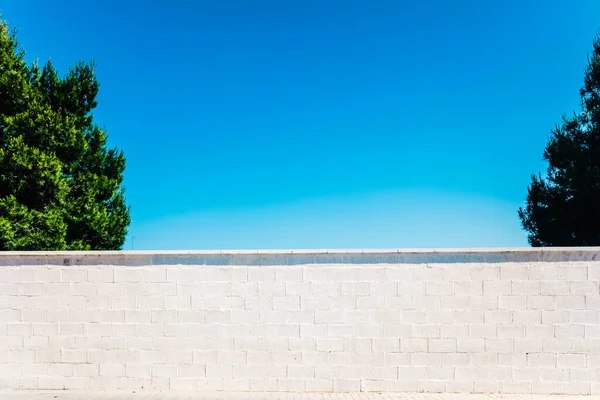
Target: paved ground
x,y
76,395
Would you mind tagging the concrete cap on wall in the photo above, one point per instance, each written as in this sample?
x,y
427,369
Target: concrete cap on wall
x,y
300,257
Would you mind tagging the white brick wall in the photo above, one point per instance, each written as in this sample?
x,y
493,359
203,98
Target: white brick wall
x,y
285,322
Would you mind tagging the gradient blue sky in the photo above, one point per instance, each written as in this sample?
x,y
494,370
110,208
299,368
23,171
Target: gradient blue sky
x,y
323,123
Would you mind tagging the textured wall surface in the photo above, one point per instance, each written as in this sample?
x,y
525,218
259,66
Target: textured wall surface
x,y
448,321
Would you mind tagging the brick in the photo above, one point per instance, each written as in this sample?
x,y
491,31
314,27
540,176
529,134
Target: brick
x,y
346,385
412,288
552,288
556,345
386,345
129,383
459,387
297,288
71,328
402,273
44,303
569,331
190,384
177,329
49,274
539,331
541,302
336,331
431,386
87,370
544,272
113,343
555,317
497,373
319,385
21,274
486,272
470,345
484,302
515,272
288,274
384,316
413,317
454,331
546,387
372,274
482,331
427,272
286,303
100,274
162,288
168,371
529,288
86,315
234,274
469,316
585,316
330,344
51,382
114,370
357,345
442,345
528,345
413,345
481,359
541,360
154,274
468,288
439,288
53,315
440,373
501,317
399,302
98,329
524,317
261,273
301,371
526,374
425,331
397,330
511,331
161,316
572,273
21,356
455,302
137,316
370,302
13,288
592,302
431,359
33,315
583,388
486,387
495,288
512,302
592,331
496,345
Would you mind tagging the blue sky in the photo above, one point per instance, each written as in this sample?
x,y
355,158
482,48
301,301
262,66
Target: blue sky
x,y
323,124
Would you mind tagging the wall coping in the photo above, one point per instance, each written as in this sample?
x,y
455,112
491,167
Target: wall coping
x,y
300,256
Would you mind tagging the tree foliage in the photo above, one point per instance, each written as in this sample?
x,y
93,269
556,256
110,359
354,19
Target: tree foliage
x,y
563,208
60,185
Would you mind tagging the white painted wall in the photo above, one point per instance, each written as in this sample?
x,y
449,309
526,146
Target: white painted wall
x,y
454,321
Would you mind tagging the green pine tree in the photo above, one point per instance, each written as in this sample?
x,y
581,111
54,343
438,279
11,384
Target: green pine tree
x,y
60,186
563,208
